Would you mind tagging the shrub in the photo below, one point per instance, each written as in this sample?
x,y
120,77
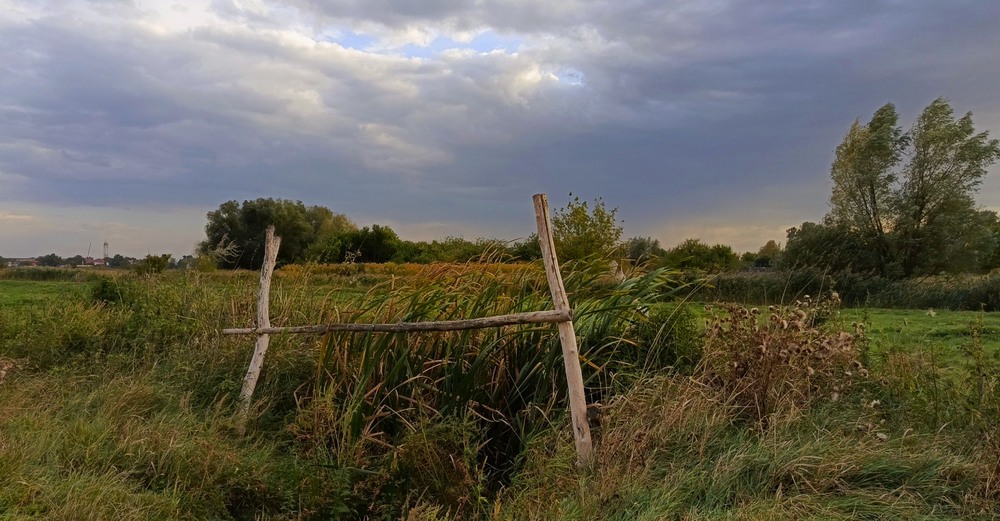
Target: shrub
x,y
669,337
782,364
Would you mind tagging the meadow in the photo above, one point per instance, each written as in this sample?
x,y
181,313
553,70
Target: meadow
x,y
117,400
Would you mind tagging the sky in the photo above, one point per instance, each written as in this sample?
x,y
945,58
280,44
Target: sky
x,y
128,120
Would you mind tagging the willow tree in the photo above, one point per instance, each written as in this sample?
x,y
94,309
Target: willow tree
x,y
863,179
919,217
937,221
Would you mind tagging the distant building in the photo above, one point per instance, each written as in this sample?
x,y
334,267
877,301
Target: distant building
x,y
18,263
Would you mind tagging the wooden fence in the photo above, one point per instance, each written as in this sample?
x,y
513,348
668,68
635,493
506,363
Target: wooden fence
x,y
561,315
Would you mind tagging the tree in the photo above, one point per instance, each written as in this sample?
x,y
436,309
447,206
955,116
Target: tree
x,y
581,232
694,254
118,261
826,246
768,255
239,230
152,264
328,229
643,249
76,260
919,218
863,178
526,250
51,260
375,244
948,163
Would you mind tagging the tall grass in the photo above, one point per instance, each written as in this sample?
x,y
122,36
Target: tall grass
x,y
120,405
676,447
371,389
971,293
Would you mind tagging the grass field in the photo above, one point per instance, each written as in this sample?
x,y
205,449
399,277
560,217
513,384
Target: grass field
x,y
22,292
117,401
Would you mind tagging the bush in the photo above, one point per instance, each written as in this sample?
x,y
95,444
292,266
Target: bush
x,y
669,337
783,364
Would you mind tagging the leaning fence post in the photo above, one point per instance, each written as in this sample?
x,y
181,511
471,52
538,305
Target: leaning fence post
x,y
271,244
567,337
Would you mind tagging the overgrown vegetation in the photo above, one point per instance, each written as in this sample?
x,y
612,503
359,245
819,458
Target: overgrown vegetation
x,y
118,402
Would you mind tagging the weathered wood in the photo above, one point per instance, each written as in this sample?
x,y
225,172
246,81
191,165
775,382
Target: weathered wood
x,y
567,337
271,244
531,317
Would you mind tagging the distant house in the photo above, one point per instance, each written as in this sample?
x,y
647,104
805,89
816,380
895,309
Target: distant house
x,y
18,263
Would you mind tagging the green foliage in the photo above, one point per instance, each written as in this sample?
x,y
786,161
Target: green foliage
x,y
371,386
238,230
829,247
527,250
152,264
376,244
454,249
669,337
51,260
855,289
921,219
582,232
121,406
948,163
694,254
640,250
769,255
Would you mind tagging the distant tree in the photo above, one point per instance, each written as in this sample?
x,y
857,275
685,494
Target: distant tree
x,y
118,261
935,203
827,246
239,230
583,232
328,229
152,264
694,254
186,262
526,250
991,260
920,218
76,260
375,244
768,255
863,178
642,249
51,260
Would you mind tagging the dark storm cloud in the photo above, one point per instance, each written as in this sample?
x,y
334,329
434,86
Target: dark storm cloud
x,y
668,109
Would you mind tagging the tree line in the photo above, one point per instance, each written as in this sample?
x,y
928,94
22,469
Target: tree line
x,y
902,205
235,234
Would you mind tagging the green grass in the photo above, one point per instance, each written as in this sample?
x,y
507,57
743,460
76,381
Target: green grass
x,y
948,335
124,409
26,292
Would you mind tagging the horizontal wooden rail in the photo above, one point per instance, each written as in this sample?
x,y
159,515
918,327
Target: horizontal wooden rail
x,y
531,317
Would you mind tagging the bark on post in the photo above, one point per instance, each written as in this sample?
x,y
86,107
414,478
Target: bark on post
x,y
271,244
567,337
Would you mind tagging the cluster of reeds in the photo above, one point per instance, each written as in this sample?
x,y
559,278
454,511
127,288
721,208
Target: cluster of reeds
x,y
370,390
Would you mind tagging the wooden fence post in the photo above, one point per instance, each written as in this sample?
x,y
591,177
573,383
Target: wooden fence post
x,y
567,337
271,244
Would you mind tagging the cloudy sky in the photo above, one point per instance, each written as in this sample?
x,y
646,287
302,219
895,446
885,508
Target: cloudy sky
x,y
128,120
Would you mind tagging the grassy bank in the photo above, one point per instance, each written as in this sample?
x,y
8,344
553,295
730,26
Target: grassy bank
x,y
117,400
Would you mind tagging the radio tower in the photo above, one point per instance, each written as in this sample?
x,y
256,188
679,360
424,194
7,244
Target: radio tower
x,y
105,248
